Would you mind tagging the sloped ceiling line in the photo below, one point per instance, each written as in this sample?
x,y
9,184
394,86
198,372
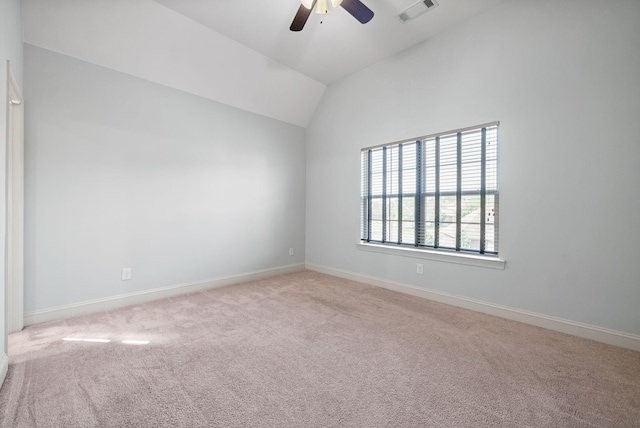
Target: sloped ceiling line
x,y
147,40
241,52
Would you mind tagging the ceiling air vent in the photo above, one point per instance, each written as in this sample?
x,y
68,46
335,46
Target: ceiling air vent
x,y
417,9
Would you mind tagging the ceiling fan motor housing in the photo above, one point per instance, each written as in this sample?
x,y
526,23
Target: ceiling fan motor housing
x,y
322,6
354,7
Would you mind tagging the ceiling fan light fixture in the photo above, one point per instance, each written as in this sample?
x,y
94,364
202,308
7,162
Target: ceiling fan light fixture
x,y
322,7
355,8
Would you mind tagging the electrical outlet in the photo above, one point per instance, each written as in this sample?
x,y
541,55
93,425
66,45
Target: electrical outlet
x,y
291,251
419,269
126,274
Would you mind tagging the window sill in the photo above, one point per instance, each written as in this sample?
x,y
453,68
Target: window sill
x,y
463,259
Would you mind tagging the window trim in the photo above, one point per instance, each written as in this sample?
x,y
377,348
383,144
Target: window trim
x,y
459,254
456,257
437,134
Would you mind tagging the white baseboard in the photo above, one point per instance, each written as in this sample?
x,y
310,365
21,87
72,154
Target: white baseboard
x,y
4,367
88,307
600,334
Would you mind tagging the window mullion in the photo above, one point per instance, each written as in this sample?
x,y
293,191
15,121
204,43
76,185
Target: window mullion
x,y
458,191
400,194
436,215
483,190
417,218
369,195
384,194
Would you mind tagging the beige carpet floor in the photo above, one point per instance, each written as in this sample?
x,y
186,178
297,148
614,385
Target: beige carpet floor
x,y
311,350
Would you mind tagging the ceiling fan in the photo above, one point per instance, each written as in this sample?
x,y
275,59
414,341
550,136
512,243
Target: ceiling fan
x,y
355,7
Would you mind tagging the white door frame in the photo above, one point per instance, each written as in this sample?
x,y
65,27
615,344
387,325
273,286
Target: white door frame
x,y
14,247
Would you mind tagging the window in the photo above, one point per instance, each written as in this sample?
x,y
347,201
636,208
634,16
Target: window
x,y
438,192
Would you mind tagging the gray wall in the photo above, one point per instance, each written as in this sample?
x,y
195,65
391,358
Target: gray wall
x,y
10,49
121,172
563,78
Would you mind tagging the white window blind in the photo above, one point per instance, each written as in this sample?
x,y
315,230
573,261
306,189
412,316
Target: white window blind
x,y
437,192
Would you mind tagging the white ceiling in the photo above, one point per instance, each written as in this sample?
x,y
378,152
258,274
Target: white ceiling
x,y
339,45
236,52
143,38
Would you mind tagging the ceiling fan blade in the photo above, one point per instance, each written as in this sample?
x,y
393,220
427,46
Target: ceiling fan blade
x,y
358,10
301,17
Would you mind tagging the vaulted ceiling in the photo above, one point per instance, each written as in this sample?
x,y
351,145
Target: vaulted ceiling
x,y
339,45
237,52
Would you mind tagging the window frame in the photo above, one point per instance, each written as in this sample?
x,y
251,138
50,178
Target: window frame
x,y
419,246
